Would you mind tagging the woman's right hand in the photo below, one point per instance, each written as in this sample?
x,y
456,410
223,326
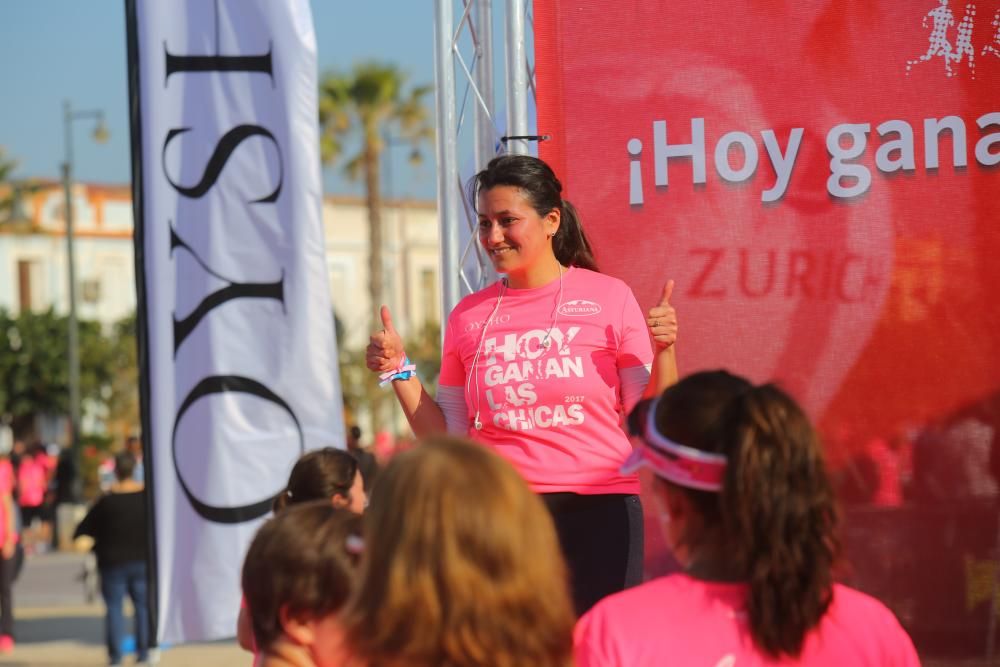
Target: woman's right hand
x,y
385,348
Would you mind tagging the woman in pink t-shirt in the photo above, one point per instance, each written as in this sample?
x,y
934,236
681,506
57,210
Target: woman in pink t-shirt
x,y
748,511
540,366
8,547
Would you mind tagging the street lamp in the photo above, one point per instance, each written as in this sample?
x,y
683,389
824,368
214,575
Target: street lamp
x,y
100,135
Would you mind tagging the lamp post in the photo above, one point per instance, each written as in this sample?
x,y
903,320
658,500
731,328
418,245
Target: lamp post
x,y
100,135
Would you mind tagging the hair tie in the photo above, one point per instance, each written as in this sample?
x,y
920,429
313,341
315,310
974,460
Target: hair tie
x,y
354,545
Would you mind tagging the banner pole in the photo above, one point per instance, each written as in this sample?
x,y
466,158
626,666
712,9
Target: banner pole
x,y
448,186
517,79
142,312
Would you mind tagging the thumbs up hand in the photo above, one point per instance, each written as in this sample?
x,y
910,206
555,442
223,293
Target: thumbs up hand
x,y
662,319
385,348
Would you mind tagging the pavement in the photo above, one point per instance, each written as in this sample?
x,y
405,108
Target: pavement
x,y
57,626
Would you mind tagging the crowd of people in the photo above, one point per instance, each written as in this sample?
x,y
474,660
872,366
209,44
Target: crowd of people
x,y
511,535
455,561
32,482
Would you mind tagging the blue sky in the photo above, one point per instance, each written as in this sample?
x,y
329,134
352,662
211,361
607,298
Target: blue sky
x,y
54,50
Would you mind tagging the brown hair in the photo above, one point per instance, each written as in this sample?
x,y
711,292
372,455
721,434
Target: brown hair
x,y
775,517
539,185
319,475
124,465
462,567
302,560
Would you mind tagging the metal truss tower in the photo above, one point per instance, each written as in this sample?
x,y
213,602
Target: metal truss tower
x,y
471,127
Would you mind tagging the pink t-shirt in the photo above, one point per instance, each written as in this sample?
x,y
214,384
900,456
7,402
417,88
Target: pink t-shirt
x,y
32,480
6,489
678,620
555,412
6,477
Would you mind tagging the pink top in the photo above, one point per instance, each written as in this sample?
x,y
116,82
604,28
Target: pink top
x,y
6,477
6,491
678,620
554,412
32,480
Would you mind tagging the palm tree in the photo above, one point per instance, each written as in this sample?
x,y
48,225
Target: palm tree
x,y
7,189
13,194
371,101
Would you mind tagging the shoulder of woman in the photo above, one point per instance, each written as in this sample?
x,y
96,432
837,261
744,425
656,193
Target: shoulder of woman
x,y
861,606
487,295
603,280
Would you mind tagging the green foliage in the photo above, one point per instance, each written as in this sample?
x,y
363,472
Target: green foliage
x,y
12,195
34,372
424,350
95,449
122,396
370,100
7,192
360,386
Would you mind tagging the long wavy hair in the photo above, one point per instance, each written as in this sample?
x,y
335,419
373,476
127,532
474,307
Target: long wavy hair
x,y
775,517
539,185
462,567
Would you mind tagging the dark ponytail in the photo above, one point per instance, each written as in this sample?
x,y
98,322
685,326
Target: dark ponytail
x,y
779,514
318,475
539,185
775,517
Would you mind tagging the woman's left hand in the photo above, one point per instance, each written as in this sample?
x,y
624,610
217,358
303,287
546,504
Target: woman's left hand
x,y
662,319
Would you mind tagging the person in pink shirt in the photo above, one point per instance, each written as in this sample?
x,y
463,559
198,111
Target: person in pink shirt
x,y
33,475
8,546
746,506
541,365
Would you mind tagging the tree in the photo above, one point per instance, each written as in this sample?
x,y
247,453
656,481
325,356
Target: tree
x,y
424,350
371,101
34,375
7,190
122,394
12,194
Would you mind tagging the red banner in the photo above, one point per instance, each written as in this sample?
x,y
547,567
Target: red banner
x,y
820,178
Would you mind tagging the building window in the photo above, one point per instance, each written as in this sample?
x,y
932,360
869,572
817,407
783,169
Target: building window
x,y
29,274
90,291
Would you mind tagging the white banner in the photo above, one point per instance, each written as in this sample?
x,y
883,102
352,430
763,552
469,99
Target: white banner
x,y
240,365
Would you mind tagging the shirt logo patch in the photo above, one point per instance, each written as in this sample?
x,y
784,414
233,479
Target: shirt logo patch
x,y
579,308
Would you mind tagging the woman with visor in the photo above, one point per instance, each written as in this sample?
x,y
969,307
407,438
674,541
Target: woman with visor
x,y
746,506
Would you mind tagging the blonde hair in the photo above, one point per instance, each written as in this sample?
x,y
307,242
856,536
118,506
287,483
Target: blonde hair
x,y
462,567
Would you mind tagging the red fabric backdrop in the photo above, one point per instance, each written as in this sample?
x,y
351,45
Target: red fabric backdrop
x,y
866,290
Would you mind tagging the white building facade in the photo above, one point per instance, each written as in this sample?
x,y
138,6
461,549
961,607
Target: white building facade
x,y
33,258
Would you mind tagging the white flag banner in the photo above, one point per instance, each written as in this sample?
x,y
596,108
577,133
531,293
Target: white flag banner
x,y
236,323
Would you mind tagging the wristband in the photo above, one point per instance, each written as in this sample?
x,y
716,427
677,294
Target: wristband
x,y
406,370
